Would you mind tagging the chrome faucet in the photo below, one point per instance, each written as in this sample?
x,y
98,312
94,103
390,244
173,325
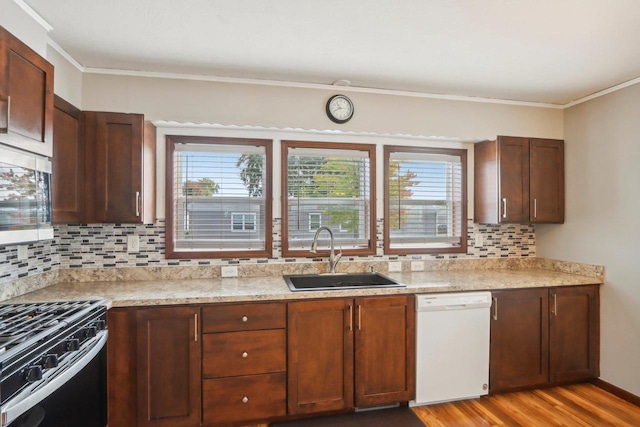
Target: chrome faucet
x,y
333,259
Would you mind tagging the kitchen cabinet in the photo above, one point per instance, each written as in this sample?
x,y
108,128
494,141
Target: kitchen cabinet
x,y
574,337
243,362
120,149
350,352
544,336
26,97
519,180
168,366
68,183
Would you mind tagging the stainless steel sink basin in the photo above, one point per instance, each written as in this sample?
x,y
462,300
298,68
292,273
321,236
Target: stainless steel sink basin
x,y
323,282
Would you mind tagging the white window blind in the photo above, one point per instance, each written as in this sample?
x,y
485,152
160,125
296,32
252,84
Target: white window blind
x,y
426,207
331,187
218,197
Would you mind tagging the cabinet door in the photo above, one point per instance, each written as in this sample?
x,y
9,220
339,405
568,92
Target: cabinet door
x,y
26,97
574,333
513,194
169,360
118,167
519,353
385,350
320,355
547,180
67,182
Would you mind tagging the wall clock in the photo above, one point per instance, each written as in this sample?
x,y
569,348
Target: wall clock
x,y
339,109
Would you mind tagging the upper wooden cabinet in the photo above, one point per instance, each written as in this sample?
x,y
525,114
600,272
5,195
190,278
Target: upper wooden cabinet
x,y
519,180
120,159
26,97
68,181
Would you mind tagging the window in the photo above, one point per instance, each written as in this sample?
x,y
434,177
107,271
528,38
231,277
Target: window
x,y
243,222
315,221
328,184
218,197
425,200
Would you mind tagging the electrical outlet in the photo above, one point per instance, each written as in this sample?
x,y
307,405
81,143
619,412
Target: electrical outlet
x,y
23,252
479,240
133,243
395,266
229,271
417,266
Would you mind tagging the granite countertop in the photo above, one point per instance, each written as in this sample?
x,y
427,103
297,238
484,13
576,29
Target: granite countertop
x,y
244,289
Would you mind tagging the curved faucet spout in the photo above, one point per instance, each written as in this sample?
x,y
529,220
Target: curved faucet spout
x,y
333,258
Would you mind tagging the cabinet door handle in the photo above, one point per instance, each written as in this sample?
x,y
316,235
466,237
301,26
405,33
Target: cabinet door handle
x,y
555,304
8,112
350,317
495,308
535,208
195,328
359,317
137,203
504,207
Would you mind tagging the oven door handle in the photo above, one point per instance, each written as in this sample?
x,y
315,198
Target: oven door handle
x,y
11,411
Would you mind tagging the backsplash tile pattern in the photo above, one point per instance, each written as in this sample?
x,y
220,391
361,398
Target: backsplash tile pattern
x,y
105,246
41,257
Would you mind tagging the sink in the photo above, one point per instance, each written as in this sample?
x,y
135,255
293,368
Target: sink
x,y
323,282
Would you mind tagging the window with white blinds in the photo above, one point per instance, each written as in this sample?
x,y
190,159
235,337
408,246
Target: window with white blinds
x,y
425,200
328,184
217,193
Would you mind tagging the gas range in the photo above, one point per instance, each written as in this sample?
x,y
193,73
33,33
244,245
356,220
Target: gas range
x,y
42,346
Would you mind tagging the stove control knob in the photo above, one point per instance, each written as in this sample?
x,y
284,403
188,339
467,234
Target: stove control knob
x,y
90,332
49,361
100,325
33,373
73,344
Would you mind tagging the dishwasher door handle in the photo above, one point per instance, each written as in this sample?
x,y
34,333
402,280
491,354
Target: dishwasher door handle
x,y
455,307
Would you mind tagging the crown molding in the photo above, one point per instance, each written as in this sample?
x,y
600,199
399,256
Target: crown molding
x,y
33,14
238,80
66,55
602,92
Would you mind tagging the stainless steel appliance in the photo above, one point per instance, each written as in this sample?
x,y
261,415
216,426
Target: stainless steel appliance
x,y
53,364
25,197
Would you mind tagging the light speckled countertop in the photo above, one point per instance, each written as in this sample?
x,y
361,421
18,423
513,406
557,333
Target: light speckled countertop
x,y
244,289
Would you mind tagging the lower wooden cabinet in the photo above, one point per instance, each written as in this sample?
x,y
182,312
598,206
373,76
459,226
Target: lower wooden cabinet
x,y
346,352
168,366
244,362
544,336
249,397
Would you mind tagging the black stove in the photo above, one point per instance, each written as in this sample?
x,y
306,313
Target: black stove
x,y
42,346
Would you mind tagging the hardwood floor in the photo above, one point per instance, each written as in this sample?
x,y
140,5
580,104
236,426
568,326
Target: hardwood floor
x,y
575,405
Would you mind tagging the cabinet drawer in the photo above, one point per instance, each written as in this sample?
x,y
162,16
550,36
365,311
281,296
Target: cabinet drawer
x,y
244,353
243,317
244,398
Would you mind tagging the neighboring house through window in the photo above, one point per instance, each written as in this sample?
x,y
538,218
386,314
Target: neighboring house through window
x,y
328,184
425,200
218,197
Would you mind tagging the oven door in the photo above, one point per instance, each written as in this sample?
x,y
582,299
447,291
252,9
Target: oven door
x,y
76,397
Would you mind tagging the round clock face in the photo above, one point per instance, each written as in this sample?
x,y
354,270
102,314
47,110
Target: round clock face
x,y
339,109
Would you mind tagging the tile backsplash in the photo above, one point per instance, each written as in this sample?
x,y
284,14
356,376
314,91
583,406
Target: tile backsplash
x,y
105,246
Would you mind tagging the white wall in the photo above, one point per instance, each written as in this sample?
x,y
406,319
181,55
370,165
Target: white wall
x,y
262,105
602,226
67,78
21,25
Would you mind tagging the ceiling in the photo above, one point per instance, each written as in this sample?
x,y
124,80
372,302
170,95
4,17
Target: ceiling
x,y
548,51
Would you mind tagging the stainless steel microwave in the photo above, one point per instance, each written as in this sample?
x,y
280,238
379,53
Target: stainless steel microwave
x,y
25,197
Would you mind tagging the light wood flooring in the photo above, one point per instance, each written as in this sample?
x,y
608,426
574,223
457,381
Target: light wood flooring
x,y
575,405
583,405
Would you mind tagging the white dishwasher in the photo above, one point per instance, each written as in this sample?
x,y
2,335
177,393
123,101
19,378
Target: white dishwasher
x,y
452,346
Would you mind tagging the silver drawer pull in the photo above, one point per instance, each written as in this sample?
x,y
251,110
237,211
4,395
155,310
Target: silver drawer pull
x,y
245,318
245,399
245,354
